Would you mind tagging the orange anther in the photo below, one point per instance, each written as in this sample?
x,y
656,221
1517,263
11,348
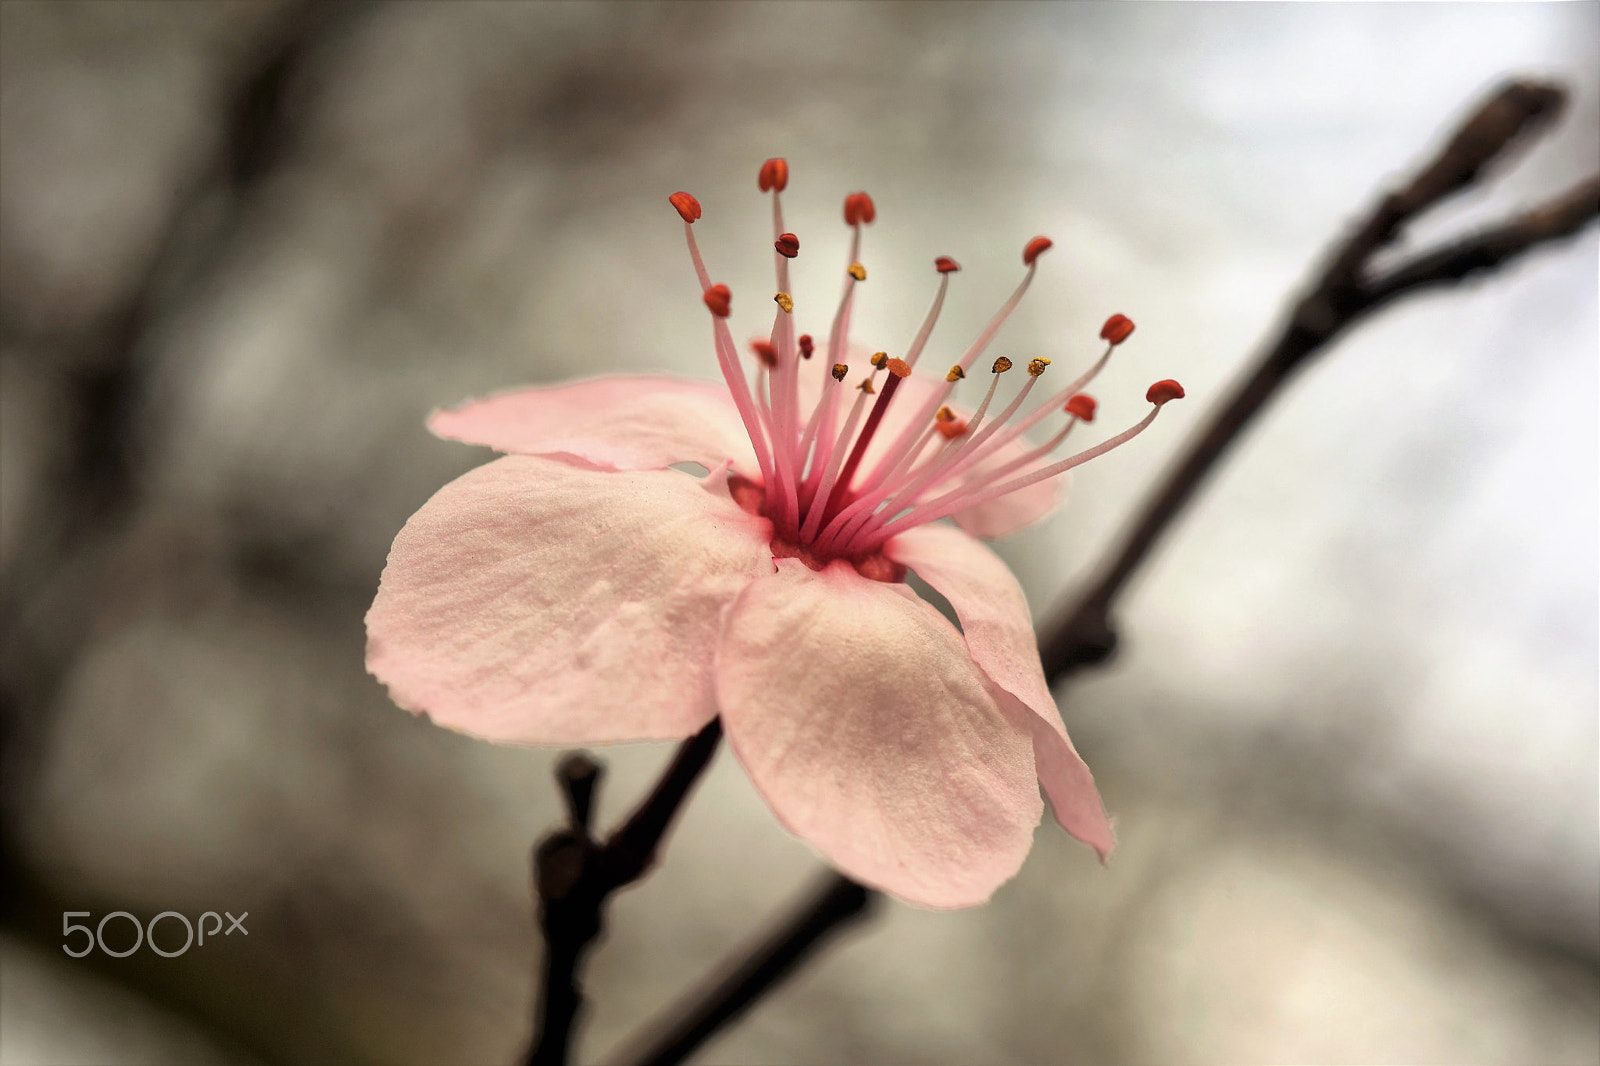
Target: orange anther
x,y
785,301
866,386
1035,248
1036,367
1117,329
839,371
899,368
956,373
765,352
1001,365
807,345
945,265
1081,407
1163,391
859,209
944,414
720,299
774,175
688,207
857,271
788,245
952,428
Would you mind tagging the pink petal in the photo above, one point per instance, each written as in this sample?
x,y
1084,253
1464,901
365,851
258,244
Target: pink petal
x,y
1014,510
999,633
538,602
861,719
619,423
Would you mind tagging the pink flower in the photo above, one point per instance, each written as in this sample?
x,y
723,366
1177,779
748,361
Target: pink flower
x,y
578,591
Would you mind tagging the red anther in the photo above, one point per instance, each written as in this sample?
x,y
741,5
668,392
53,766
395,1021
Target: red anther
x,y
1117,329
945,265
788,245
859,209
951,429
720,299
688,207
774,175
807,345
899,368
1081,407
765,352
1162,391
1035,247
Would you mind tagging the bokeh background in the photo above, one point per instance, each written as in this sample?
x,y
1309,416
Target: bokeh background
x,y
1351,739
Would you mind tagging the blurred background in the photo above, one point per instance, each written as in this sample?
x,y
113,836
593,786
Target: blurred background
x,y
1351,739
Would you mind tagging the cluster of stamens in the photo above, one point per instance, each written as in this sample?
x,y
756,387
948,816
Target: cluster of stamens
x,y
823,505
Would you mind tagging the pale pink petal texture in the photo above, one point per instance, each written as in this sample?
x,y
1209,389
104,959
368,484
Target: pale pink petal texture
x,y
999,634
620,423
1013,511
538,602
861,719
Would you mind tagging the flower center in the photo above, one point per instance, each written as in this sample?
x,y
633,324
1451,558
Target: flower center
x,y
838,483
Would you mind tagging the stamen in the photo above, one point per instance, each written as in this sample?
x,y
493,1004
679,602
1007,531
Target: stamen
x,y
1036,367
1160,393
785,301
880,359
1082,407
949,426
956,374
807,346
945,265
1035,248
898,371
1001,365
688,207
839,371
788,245
866,387
1117,329
858,272
720,299
859,209
765,352
774,175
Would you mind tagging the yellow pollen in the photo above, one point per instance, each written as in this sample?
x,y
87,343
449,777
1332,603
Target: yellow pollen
x,y
785,301
866,386
1001,365
880,359
839,371
956,373
858,272
1036,367
944,414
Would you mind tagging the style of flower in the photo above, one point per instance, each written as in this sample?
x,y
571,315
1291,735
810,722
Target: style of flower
x,y
581,590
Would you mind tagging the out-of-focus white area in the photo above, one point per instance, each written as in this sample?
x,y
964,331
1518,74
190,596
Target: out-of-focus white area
x,y
1352,736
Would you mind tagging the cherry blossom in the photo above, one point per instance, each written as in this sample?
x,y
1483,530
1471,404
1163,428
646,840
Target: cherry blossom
x,y
586,589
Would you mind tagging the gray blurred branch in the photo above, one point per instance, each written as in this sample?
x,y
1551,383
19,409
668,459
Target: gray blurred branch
x,y
1347,292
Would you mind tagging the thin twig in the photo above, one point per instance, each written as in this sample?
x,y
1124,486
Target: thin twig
x,y
575,876
1084,633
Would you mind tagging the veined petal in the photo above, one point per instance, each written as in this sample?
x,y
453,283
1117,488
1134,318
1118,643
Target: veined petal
x,y
619,423
999,634
534,601
860,717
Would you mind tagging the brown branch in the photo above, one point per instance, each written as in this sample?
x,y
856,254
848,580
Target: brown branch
x,y
574,876
833,903
1345,293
